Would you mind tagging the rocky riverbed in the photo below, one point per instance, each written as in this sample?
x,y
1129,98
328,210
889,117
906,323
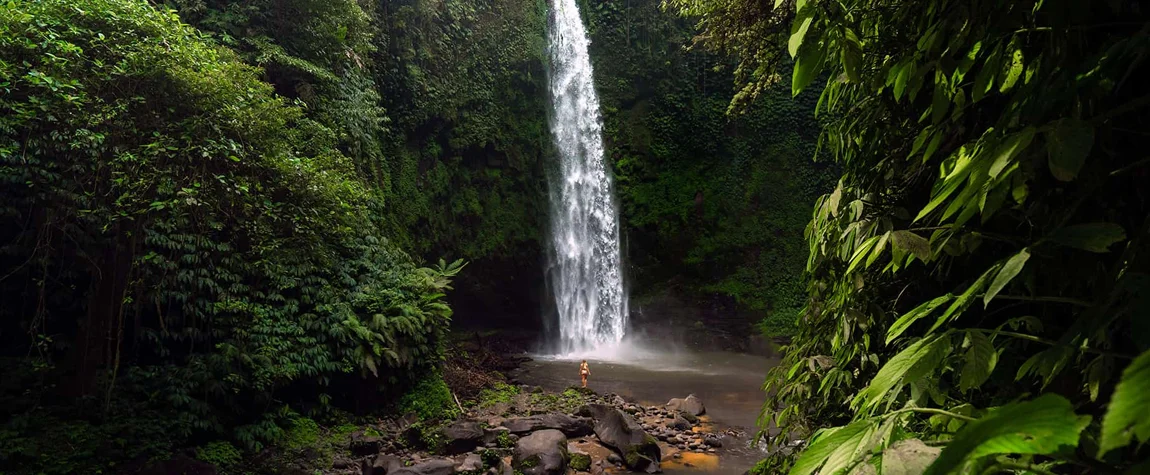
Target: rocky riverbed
x,y
535,432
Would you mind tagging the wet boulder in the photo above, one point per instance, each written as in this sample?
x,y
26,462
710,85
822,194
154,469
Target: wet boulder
x,y
381,464
363,444
639,451
542,453
569,426
472,464
461,437
680,423
690,404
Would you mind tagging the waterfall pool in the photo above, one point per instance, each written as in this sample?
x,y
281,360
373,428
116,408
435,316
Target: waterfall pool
x,y
729,385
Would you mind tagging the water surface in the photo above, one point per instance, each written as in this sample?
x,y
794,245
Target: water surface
x,y
728,383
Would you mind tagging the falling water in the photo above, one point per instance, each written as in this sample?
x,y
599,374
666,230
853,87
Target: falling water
x,y
584,273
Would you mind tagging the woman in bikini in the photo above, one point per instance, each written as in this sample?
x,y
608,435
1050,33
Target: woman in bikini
x,y
584,372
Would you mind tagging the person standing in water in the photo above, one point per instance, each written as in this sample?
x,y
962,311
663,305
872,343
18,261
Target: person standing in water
x,y
584,372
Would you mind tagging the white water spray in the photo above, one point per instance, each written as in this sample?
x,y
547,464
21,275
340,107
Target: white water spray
x,y
585,273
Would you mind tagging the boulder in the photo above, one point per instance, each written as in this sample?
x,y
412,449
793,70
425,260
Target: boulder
x,y
713,441
473,464
541,453
680,423
381,464
689,404
640,451
461,437
570,426
435,466
363,444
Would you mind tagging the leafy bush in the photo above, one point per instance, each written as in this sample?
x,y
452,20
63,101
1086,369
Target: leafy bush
x,y
219,453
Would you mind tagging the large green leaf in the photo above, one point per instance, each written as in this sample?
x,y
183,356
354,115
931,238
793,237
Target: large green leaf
x,y
1009,270
1128,414
1011,70
978,362
1041,426
1093,237
808,65
827,444
799,28
1068,143
1010,147
912,242
891,374
959,305
908,457
912,316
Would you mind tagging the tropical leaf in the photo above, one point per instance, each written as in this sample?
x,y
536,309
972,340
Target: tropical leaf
x,y
1093,237
1041,426
893,372
917,245
826,443
1068,143
1009,270
908,319
808,65
799,27
979,360
1128,414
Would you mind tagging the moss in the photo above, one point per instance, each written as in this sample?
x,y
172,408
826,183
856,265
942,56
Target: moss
x,y
430,399
632,456
529,462
303,433
501,392
219,453
580,462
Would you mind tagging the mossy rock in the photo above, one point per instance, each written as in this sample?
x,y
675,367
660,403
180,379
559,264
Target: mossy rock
x,y
580,461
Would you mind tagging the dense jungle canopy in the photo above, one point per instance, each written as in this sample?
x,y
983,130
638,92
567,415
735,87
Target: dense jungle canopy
x,y
227,223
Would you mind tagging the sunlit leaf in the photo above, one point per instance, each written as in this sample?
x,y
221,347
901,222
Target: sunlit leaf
x,y
1009,270
799,28
978,362
1011,71
1041,426
808,65
1128,414
891,374
908,319
826,444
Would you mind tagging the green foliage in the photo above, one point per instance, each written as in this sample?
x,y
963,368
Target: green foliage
x,y
714,203
193,239
989,155
430,399
219,453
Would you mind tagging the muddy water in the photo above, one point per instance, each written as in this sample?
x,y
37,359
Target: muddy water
x,y
728,383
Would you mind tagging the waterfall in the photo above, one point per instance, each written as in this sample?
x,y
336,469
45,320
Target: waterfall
x,y
585,264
